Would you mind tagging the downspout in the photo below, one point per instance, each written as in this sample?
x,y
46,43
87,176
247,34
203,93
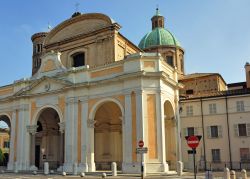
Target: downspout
x,y
228,134
203,133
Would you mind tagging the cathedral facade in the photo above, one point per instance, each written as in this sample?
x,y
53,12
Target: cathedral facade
x,y
93,95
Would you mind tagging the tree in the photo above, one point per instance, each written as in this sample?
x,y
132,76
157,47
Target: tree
x,y
1,157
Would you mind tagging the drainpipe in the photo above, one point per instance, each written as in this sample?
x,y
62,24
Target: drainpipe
x,y
228,134
203,133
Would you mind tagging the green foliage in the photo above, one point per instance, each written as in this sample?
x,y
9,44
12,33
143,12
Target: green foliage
x,y
1,157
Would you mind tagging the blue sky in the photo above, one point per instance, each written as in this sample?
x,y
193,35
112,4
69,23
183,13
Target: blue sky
x,y
214,33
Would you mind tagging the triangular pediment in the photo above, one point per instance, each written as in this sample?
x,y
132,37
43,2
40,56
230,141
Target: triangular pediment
x,y
44,85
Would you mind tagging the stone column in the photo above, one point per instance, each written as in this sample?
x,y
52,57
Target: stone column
x,y
91,148
84,134
70,134
12,141
127,132
32,131
161,131
141,120
61,151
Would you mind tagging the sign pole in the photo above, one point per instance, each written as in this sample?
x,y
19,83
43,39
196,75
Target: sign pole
x,y
194,163
142,167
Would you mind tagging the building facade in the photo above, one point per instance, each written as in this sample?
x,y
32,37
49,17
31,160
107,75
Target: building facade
x,y
91,97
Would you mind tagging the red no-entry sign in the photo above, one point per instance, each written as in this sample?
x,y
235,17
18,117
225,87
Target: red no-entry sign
x,y
141,143
193,141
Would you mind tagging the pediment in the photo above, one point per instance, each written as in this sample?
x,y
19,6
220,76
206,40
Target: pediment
x,y
44,85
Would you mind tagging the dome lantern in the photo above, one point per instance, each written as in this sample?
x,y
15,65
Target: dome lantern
x,y
157,20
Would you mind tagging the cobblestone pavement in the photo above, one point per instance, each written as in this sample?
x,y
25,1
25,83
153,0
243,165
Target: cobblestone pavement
x,y
186,175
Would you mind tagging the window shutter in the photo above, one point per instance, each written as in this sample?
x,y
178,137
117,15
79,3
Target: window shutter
x,y
184,132
195,130
219,131
248,129
236,130
208,132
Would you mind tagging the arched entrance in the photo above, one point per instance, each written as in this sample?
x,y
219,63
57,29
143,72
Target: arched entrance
x,y
108,136
170,135
48,140
5,127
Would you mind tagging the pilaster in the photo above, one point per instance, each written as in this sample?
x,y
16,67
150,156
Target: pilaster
x,y
12,141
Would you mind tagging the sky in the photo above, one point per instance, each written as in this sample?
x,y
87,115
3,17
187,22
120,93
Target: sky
x,y
214,33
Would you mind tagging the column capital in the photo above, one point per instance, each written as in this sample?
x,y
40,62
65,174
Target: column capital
x,y
71,100
61,127
32,129
84,99
91,123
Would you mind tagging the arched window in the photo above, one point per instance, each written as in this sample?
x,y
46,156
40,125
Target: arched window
x,y
78,59
170,60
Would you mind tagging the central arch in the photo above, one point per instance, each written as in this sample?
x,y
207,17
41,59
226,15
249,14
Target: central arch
x,y
108,135
48,139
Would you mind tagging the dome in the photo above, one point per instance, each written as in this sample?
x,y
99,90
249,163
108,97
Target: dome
x,y
158,36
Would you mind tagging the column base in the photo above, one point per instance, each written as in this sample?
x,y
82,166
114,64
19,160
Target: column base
x,y
83,167
91,167
67,167
10,166
33,168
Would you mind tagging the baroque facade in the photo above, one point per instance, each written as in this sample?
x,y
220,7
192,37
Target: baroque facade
x,y
92,96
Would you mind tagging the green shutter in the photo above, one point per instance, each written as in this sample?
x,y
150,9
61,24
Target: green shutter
x,y
236,131
248,129
219,131
208,132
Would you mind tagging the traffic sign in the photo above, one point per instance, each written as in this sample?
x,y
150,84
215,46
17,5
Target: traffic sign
x,y
141,150
193,141
141,143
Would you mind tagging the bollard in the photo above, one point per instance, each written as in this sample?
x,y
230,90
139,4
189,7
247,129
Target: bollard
x,y
104,175
226,173
64,173
46,168
75,169
15,168
114,169
209,174
179,168
232,174
34,172
82,174
243,174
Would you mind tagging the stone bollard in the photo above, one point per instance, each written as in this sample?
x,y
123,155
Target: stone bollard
x,y
226,173
114,169
15,168
232,174
34,172
243,174
179,168
82,174
64,173
104,175
46,168
209,174
75,169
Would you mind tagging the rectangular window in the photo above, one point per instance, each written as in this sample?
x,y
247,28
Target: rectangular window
x,y
212,108
244,154
190,131
189,110
6,144
170,60
214,131
240,106
215,155
242,130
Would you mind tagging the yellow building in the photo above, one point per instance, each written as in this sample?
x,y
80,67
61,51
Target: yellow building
x,y
93,95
